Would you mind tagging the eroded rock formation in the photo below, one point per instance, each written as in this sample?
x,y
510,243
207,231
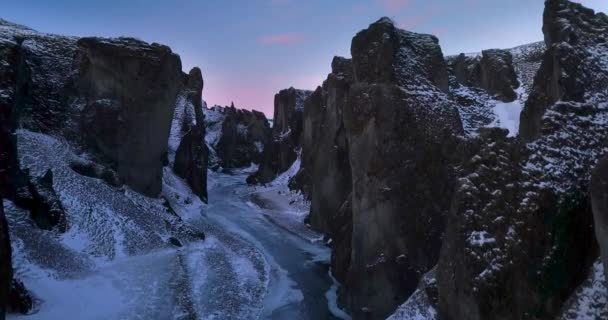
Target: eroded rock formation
x,y
187,149
519,238
244,135
127,89
374,154
282,149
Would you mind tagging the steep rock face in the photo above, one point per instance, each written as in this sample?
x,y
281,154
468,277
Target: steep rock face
x,y
399,123
598,190
187,149
493,72
6,269
478,106
111,97
519,238
127,90
325,163
244,136
575,36
282,150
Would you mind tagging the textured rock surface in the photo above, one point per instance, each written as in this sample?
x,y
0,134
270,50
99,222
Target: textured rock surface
x,y
127,91
5,262
599,200
244,136
191,157
282,150
519,239
326,165
575,37
397,127
493,72
478,105
111,97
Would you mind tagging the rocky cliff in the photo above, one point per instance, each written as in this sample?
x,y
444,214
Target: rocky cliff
x,y
242,137
6,268
374,153
519,238
282,149
511,230
85,129
188,153
325,171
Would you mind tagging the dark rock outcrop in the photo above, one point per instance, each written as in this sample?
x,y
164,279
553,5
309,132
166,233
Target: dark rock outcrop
x,y
19,299
598,190
192,155
575,37
325,164
6,270
493,71
127,89
282,149
399,124
519,238
244,136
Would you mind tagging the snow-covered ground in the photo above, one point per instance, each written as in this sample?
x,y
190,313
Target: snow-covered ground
x,y
119,259
116,260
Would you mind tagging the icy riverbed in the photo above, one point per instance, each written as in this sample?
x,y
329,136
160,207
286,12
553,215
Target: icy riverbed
x,y
126,256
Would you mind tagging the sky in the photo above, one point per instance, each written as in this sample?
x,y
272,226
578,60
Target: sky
x,y
248,50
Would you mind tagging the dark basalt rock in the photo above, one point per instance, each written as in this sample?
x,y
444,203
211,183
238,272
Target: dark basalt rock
x,y
128,89
19,299
38,196
192,155
598,190
493,72
382,54
6,269
325,173
93,170
399,124
519,239
498,75
245,135
282,149
574,36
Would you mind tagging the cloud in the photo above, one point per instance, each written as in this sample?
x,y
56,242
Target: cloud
x,y
284,38
394,6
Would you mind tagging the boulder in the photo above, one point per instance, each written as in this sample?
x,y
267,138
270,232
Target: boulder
x,y
282,150
128,90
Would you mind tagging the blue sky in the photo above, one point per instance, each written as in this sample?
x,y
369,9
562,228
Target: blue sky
x,y
250,49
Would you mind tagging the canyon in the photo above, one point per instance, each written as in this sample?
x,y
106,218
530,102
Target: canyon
x,y
408,185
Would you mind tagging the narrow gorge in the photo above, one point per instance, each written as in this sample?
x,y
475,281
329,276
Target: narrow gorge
x,y
408,185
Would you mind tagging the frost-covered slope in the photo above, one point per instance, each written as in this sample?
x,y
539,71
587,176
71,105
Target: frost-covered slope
x,y
478,108
127,256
